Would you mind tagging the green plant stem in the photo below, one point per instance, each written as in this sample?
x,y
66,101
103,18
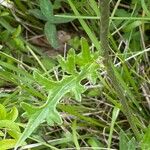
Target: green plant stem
x,y
110,69
97,17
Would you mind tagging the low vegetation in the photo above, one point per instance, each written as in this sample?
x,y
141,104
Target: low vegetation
x,y
74,75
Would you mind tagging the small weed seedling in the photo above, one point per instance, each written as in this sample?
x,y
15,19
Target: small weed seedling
x,y
46,13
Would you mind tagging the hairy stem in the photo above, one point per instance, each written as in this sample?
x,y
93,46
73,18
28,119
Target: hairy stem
x,y
108,64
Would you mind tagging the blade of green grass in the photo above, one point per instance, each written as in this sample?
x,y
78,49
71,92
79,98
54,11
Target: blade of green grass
x,y
115,114
75,136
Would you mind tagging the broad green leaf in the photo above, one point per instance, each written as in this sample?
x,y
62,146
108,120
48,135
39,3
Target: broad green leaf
x,y
13,128
13,114
38,14
46,8
7,144
10,125
51,34
2,112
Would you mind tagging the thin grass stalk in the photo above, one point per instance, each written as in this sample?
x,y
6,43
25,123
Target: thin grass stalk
x,y
104,30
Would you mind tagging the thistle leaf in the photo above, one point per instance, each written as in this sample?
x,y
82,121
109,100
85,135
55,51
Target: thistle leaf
x,y
68,65
36,117
47,83
30,109
85,56
53,117
48,110
77,91
85,51
57,89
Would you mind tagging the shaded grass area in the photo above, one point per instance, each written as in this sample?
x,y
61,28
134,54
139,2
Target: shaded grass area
x,y
99,120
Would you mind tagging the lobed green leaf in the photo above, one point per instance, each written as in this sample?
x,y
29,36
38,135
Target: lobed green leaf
x,y
70,83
